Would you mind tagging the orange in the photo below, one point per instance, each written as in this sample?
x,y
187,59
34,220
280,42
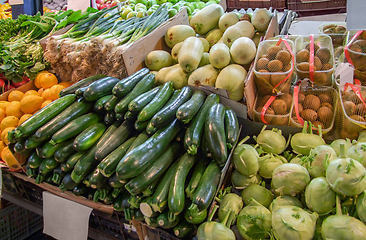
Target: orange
x,y
2,146
15,96
45,103
4,104
4,135
23,118
65,84
9,121
31,103
40,91
30,92
13,109
46,94
2,114
55,90
36,80
9,158
47,80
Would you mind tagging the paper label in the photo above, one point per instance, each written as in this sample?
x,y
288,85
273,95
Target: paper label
x,y
345,72
15,2
78,4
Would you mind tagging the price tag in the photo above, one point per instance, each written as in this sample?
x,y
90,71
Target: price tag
x,y
78,4
16,2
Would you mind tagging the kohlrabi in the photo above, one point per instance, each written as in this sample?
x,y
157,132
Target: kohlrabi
x,y
361,206
319,197
304,141
268,163
258,193
245,159
284,201
357,152
336,145
362,136
318,159
345,175
240,181
290,179
271,141
230,202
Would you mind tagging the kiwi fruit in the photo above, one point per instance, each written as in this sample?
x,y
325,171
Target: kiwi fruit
x,y
302,56
277,78
284,87
311,102
338,52
279,106
340,29
325,115
351,96
360,63
363,35
300,110
351,136
360,109
355,51
362,44
262,63
309,115
349,107
323,54
317,123
264,56
286,68
321,79
301,98
316,47
317,63
326,67
288,99
304,66
268,116
352,127
272,52
261,101
360,75
275,66
264,76
280,121
326,104
325,98
284,56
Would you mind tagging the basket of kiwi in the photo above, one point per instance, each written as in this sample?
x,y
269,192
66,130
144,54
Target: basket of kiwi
x,y
274,66
316,51
317,104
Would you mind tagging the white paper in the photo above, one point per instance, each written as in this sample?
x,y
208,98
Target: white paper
x,y
64,219
356,16
78,4
345,73
15,2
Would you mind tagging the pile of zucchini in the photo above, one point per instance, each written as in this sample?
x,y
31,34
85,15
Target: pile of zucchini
x,y
154,152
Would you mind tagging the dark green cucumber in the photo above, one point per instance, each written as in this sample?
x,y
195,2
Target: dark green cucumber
x,y
151,174
97,180
43,171
137,104
168,112
180,135
215,133
130,116
73,111
204,147
19,147
67,183
165,222
43,116
189,109
65,168
183,229
85,165
117,204
64,152
176,197
82,83
113,140
47,150
141,87
51,163
100,88
34,161
140,139
198,171
150,129
58,175
73,159
80,91
140,158
157,102
124,86
99,104
207,188
141,126
111,103
74,127
194,132
87,138
109,118
152,221
80,190
231,127
114,182
195,217
119,116
108,165
31,143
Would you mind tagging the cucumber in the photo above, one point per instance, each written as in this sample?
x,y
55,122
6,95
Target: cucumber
x,y
231,127
141,126
44,115
176,197
34,161
109,118
100,88
138,103
73,159
111,103
140,158
82,83
151,174
215,134
97,180
64,152
195,217
168,112
206,190
74,127
67,183
165,222
198,171
194,132
99,104
113,140
189,109
150,129
183,229
157,102
80,190
141,87
124,86
73,111
47,150
108,165
80,91
130,116
87,138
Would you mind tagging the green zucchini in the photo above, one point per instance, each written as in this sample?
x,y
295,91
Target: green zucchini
x,y
130,116
141,126
65,168
204,147
134,201
46,114
176,197
137,215
124,86
146,209
97,180
75,110
99,104
165,222
86,180
157,102
198,171
51,163
85,164
114,182
215,134
73,159
151,221
183,229
194,132
111,141
43,171
149,190
117,204
80,91
48,179
82,83
189,109
140,139
231,127
87,138
58,175
31,172
150,129
90,194
168,112
19,147
207,188
34,161
31,143
180,135
47,150
111,103
119,116
195,217
67,183
100,88
74,127
108,165
80,190
151,174
109,118
143,156
141,87
138,103
64,152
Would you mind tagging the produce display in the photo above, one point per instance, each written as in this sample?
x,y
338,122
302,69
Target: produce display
x,y
355,54
5,11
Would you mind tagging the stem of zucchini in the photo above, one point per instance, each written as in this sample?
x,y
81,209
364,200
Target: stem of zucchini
x,y
39,179
116,192
56,178
96,196
171,217
192,150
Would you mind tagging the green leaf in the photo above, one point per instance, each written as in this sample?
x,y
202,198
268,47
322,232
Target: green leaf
x,y
37,67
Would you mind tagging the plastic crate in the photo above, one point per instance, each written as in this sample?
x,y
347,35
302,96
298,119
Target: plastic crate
x,y
18,223
280,5
311,7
